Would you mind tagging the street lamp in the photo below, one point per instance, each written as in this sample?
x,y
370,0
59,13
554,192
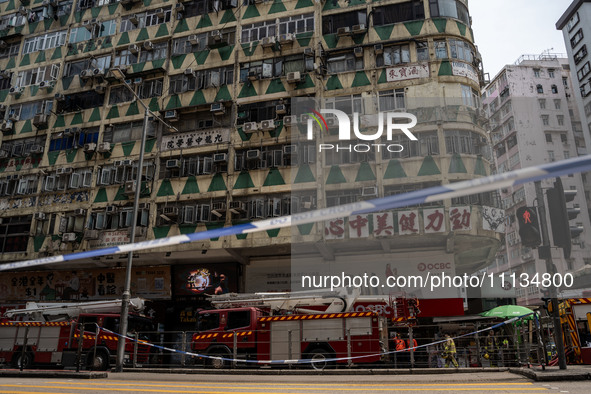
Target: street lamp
x,y
126,296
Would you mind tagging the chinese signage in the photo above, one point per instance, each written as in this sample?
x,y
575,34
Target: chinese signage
x,y
493,219
110,238
405,222
195,139
420,70
464,70
83,285
196,279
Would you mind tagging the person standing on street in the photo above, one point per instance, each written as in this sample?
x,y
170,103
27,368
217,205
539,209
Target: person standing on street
x,y
449,351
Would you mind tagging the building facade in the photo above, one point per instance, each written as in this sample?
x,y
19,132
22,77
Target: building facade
x,y
534,119
223,74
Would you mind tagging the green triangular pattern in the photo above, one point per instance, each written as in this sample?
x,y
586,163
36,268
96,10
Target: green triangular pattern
x,y
133,109
306,83
331,5
52,157
3,94
429,167
440,24
225,52
27,127
161,232
333,83
191,186
331,40
273,233
95,116
335,176
143,35
248,90
243,135
47,23
64,20
165,189
138,67
26,60
461,28
201,56
10,6
41,57
149,145
456,165
77,119
95,11
38,241
274,178
445,68
127,147
124,39
67,81
205,21
251,12
383,78
479,167
33,26
244,181
249,48
275,86
228,16
217,184
182,26
11,63
59,122
305,229
112,8
162,31
173,102
101,196
304,38
213,226
304,4
71,155
223,94
57,54
358,38
360,79
33,89
414,27
187,229
113,112
177,61
365,173
384,32
394,170
304,174
198,99
276,7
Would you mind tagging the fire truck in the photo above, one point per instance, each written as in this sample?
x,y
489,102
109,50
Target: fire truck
x,y
575,318
51,334
282,328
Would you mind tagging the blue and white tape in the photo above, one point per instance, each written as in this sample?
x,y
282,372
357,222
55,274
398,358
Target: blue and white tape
x,y
437,193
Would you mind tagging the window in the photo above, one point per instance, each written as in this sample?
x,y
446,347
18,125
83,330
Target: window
x,y
21,147
584,71
551,73
440,49
124,58
257,112
183,45
28,110
573,21
546,120
422,51
73,140
585,89
120,94
348,104
344,62
296,24
77,179
37,75
588,109
12,20
542,103
389,100
566,154
258,31
80,101
511,142
396,13
214,78
560,120
540,89
514,160
470,97
576,38
181,83
463,142
557,103
501,150
150,88
331,23
275,67
79,34
46,41
237,319
554,89
548,137
14,233
427,145
565,82
11,49
536,73
145,19
76,67
551,155
130,131
201,7
450,8
580,54
393,55
158,51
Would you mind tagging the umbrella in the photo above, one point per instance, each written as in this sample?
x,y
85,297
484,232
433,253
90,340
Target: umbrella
x,y
509,311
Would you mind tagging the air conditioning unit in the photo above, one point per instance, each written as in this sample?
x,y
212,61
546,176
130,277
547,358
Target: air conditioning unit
x,y
15,90
160,12
268,42
378,49
111,209
134,19
127,162
46,84
80,212
307,202
88,24
171,212
174,163
90,147
148,46
133,48
6,125
4,154
250,127
137,80
68,237
171,115
369,191
290,149
253,75
129,187
218,208
267,125
40,216
14,117
330,122
308,52
22,10
91,234
290,120
36,149
85,74
217,109
220,157
215,39
358,51
343,31
280,109
286,38
179,7
253,154
98,72
294,77
5,74
357,29
237,207
189,71
66,170
193,39
104,147
60,97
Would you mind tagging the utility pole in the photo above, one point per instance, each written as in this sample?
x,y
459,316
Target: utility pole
x,y
545,253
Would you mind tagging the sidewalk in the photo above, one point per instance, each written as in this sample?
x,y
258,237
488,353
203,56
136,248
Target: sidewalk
x,y
554,374
52,373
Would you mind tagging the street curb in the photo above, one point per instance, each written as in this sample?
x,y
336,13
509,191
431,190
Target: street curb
x,y
551,375
53,374
300,371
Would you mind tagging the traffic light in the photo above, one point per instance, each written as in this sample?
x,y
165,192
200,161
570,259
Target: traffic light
x,y
529,228
561,215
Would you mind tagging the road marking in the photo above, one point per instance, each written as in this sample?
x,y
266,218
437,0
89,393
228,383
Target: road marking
x,y
28,392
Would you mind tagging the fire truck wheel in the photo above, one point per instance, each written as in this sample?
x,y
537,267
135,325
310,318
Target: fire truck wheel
x,y
98,362
319,355
217,363
25,359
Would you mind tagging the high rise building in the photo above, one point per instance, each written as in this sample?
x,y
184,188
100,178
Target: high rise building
x,y
534,120
224,73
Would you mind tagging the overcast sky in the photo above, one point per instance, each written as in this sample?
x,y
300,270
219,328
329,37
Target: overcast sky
x,y
506,29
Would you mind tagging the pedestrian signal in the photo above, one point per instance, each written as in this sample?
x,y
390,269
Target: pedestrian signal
x,y
529,228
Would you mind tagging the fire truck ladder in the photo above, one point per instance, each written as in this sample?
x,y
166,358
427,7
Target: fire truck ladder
x,y
65,311
340,300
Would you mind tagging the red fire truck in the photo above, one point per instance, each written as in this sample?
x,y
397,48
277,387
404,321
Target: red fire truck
x,y
51,334
253,333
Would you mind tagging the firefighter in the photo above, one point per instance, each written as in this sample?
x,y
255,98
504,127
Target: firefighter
x,y
449,351
491,348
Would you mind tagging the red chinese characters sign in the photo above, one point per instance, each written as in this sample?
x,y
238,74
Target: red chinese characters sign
x,y
420,70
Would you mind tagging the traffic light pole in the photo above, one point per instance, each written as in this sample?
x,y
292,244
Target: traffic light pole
x,y
550,268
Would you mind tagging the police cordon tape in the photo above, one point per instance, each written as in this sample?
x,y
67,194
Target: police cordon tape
x,y
437,193
309,360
